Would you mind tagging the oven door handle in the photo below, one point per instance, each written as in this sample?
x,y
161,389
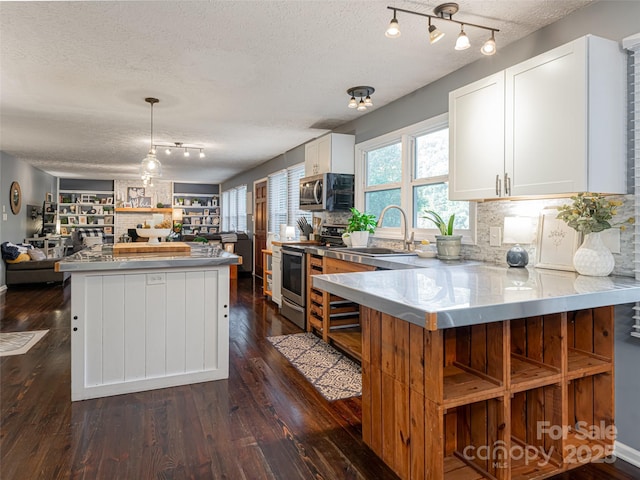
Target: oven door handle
x,y
317,186
292,305
293,254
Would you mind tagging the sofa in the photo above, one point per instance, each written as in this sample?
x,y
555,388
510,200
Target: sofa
x,y
33,271
25,264
243,246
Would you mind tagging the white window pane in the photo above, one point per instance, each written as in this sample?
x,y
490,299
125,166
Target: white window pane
x,y
436,197
376,201
242,208
432,154
295,173
225,211
384,165
277,205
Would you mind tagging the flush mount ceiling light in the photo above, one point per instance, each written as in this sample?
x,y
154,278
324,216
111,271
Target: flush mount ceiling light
x,y
150,166
169,147
445,12
365,97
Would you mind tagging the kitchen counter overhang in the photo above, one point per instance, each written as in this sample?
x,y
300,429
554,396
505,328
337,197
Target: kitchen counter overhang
x,y
440,298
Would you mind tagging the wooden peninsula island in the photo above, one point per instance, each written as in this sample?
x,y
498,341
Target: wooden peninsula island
x,y
484,372
141,321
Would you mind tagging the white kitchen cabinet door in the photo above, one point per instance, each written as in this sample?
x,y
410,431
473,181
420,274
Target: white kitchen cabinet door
x,y
476,139
311,158
562,129
565,120
331,153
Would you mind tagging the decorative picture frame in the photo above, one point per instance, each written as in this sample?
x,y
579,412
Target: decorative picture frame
x,y
108,230
109,200
229,247
64,231
144,202
48,197
82,219
73,220
85,198
557,242
134,194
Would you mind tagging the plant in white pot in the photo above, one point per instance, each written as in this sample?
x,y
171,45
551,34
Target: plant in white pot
x,y
590,214
447,244
359,226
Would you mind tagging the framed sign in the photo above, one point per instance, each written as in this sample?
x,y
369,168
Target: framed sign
x,y
134,194
557,242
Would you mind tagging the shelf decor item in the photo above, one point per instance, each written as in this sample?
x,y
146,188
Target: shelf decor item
x,y
448,245
359,226
591,214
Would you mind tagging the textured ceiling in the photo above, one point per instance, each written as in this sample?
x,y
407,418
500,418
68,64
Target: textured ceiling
x,y
248,80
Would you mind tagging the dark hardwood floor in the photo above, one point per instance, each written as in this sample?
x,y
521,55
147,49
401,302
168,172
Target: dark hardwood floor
x,y
266,421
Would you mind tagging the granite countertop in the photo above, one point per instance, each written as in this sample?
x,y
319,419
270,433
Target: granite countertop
x,y
439,296
101,257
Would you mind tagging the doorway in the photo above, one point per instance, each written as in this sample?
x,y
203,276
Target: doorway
x,y
260,225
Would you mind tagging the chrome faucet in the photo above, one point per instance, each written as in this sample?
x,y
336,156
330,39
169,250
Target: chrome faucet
x,y
408,240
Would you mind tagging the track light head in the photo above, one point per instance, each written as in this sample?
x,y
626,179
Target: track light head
x,y
462,42
393,30
434,34
489,47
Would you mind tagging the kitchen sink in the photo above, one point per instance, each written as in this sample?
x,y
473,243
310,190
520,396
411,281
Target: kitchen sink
x,y
374,251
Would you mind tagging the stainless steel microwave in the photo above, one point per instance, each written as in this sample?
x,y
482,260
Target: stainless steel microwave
x,y
331,192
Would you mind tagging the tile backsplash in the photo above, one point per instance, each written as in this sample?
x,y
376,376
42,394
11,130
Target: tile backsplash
x,y
491,214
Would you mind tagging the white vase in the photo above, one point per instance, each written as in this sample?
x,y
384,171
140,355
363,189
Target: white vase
x,y
593,257
359,239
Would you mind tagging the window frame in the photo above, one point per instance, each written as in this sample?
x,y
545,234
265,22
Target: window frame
x,y
406,136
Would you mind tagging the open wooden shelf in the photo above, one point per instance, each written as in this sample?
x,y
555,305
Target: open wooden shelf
x,y
527,373
527,468
457,469
349,340
463,385
585,363
143,210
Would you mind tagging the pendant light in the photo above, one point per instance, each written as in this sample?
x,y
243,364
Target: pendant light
x,y
489,47
364,93
434,33
151,166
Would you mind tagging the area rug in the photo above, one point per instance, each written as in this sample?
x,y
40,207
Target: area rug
x,y
17,343
331,373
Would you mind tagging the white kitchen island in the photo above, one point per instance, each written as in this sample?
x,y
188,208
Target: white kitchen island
x,y
147,320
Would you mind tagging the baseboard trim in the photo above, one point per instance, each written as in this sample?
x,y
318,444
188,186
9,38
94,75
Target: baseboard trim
x,y
627,454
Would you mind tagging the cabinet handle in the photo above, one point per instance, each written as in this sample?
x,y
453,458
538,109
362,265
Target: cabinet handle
x,y
498,186
507,184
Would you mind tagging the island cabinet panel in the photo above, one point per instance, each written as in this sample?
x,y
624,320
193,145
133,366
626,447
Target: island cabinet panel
x,y
519,399
148,329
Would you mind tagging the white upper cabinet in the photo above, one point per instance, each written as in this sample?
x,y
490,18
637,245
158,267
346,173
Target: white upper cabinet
x,y
562,126
332,153
476,139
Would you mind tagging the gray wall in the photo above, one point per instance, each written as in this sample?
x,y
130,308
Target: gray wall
x,y
610,19
34,184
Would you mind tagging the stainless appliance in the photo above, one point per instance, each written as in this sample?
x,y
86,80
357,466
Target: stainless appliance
x,y
328,191
294,284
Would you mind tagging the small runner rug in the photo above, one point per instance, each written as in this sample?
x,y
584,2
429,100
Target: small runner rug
x,y
331,373
17,343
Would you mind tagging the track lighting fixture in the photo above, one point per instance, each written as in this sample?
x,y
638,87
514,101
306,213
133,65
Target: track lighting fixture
x,y
444,12
365,98
181,146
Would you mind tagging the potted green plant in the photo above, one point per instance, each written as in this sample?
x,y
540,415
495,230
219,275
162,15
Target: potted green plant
x,y
359,226
447,244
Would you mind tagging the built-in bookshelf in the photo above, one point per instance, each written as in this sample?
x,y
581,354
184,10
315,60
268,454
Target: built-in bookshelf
x,y
86,203
197,207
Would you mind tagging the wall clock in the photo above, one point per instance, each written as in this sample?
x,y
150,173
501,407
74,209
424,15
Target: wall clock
x,y
15,197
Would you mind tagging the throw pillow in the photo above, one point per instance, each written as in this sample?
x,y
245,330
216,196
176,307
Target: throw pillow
x,y
36,254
